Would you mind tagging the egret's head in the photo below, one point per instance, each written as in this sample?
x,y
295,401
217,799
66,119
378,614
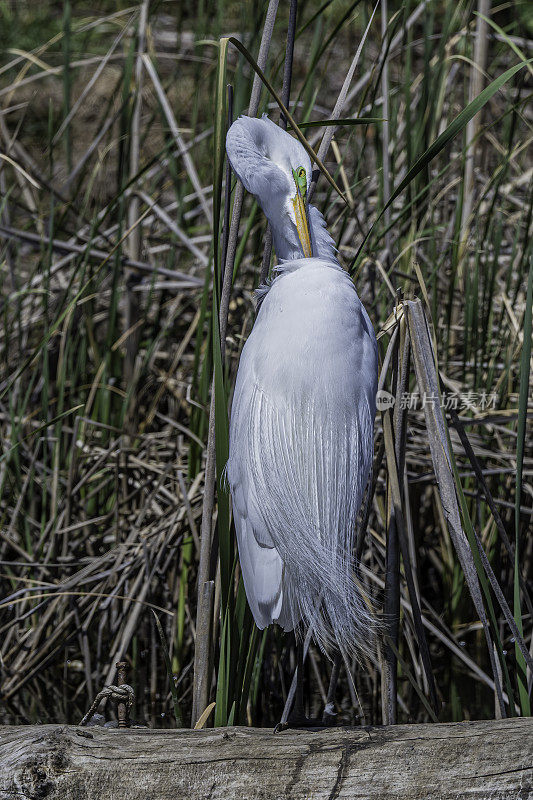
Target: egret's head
x,y
274,167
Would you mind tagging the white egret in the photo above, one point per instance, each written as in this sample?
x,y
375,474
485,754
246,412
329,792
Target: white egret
x,y
301,430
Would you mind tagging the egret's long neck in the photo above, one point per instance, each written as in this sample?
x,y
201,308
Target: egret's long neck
x,y
287,244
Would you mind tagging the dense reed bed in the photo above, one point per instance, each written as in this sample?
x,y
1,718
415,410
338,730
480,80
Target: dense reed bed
x,y
129,257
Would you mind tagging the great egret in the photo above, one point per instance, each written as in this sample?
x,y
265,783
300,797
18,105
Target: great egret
x,y
301,430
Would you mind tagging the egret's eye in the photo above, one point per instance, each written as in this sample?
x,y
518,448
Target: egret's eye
x,y
300,178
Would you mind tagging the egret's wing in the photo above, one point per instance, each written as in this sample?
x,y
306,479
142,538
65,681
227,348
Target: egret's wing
x,y
261,564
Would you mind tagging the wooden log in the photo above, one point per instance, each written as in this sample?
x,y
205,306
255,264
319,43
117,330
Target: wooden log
x,y
474,760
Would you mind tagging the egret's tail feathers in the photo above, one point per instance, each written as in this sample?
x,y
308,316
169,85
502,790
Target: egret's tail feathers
x,y
327,597
302,475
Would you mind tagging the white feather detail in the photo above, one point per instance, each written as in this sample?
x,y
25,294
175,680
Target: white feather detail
x,y
301,441
321,241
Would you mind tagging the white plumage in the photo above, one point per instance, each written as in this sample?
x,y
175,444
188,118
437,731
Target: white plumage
x,y
301,431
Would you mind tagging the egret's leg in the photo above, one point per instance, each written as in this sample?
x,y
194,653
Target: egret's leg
x,y
298,708
296,688
329,714
296,718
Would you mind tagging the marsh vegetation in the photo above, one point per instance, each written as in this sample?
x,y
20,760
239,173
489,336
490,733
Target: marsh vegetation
x,y
114,226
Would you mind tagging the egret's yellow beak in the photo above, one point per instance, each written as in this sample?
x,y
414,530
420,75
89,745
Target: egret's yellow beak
x,y
301,223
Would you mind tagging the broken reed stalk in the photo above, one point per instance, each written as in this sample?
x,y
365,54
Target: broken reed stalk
x,y
400,429
203,660
392,568
426,375
394,451
391,604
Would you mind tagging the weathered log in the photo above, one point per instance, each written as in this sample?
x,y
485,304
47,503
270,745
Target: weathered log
x,y
481,760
